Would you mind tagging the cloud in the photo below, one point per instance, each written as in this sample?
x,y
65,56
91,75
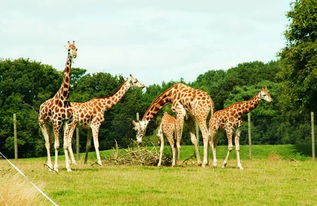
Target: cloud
x,y
154,40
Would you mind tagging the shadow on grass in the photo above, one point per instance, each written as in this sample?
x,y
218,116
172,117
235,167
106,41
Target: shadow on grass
x,y
304,149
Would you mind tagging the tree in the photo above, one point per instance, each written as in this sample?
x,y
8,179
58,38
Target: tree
x,y
299,60
24,85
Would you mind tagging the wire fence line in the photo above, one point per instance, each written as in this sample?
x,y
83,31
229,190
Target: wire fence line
x,y
26,177
253,128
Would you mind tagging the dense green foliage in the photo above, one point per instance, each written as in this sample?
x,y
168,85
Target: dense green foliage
x,y
25,84
299,59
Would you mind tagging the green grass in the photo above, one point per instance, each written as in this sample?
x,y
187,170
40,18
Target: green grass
x,y
286,179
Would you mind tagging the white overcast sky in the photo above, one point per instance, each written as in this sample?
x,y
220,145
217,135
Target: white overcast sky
x,y
155,41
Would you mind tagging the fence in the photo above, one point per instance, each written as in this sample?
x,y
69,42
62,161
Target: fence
x,y
249,130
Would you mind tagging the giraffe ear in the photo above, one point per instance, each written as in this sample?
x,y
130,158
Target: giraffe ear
x,y
134,122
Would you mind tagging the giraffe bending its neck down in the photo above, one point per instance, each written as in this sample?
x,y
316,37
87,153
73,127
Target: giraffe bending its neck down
x,y
91,114
229,119
196,103
171,128
57,109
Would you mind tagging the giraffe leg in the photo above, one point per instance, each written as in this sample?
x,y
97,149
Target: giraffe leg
x,y
169,136
56,128
95,131
47,145
178,152
194,140
212,143
179,133
66,131
237,144
160,134
71,129
204,131
229,137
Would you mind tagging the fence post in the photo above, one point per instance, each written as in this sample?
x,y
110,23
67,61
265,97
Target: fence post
x,y
249,135
312,134
88,145
77,143
15,136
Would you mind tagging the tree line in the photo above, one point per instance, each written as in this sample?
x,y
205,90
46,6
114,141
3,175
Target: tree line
x,y
291,79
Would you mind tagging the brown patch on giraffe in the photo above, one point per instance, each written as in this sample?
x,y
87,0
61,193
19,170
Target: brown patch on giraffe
x,y
65,93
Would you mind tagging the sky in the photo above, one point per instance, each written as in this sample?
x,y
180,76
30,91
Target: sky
x,y
155,41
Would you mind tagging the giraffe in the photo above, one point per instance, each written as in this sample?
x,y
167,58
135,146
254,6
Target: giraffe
x,y
171,128
57,109
91,114
197,104
229,119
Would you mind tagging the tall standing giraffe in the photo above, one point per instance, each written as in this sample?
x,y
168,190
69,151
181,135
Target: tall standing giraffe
x,y
197,104
230,120
171,128
91,114
57,109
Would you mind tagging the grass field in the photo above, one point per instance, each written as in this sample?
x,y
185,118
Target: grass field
x,y
277,175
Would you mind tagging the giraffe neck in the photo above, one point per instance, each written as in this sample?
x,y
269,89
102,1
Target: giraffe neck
x,y
108,102
157,104
63,91
252,103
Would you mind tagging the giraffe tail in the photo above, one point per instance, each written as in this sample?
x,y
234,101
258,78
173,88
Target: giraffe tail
x,y
211,105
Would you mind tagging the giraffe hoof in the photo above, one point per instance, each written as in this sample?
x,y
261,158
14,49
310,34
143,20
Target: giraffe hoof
x,y
224,165
69,170
55,169
241,168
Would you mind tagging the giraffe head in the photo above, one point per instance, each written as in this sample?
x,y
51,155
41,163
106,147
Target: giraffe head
x,y
265,95
72,50
140,127
134,82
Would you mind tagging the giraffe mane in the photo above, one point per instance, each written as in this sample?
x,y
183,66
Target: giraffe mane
x,y
159,97
109,95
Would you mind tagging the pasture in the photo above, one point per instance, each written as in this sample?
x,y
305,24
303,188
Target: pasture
x,y
277,175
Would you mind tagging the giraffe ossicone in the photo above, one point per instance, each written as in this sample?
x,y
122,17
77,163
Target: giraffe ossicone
x,y
230,119
57,110
197,104
90,114
172,129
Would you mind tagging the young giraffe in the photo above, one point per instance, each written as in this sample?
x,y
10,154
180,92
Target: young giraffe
x,y
197,103
57,109
229,119
91,114
171,128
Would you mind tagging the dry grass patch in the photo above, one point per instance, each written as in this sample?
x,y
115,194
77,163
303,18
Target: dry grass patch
x,y
15,190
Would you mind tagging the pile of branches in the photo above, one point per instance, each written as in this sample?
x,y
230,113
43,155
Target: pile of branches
x,y
138,156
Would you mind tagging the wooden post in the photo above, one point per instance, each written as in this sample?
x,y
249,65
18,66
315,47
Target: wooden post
x,y
15,136
312,135
77,143
88,145
249,135
137,116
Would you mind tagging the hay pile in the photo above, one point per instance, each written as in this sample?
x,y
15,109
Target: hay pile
x,y
138,156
